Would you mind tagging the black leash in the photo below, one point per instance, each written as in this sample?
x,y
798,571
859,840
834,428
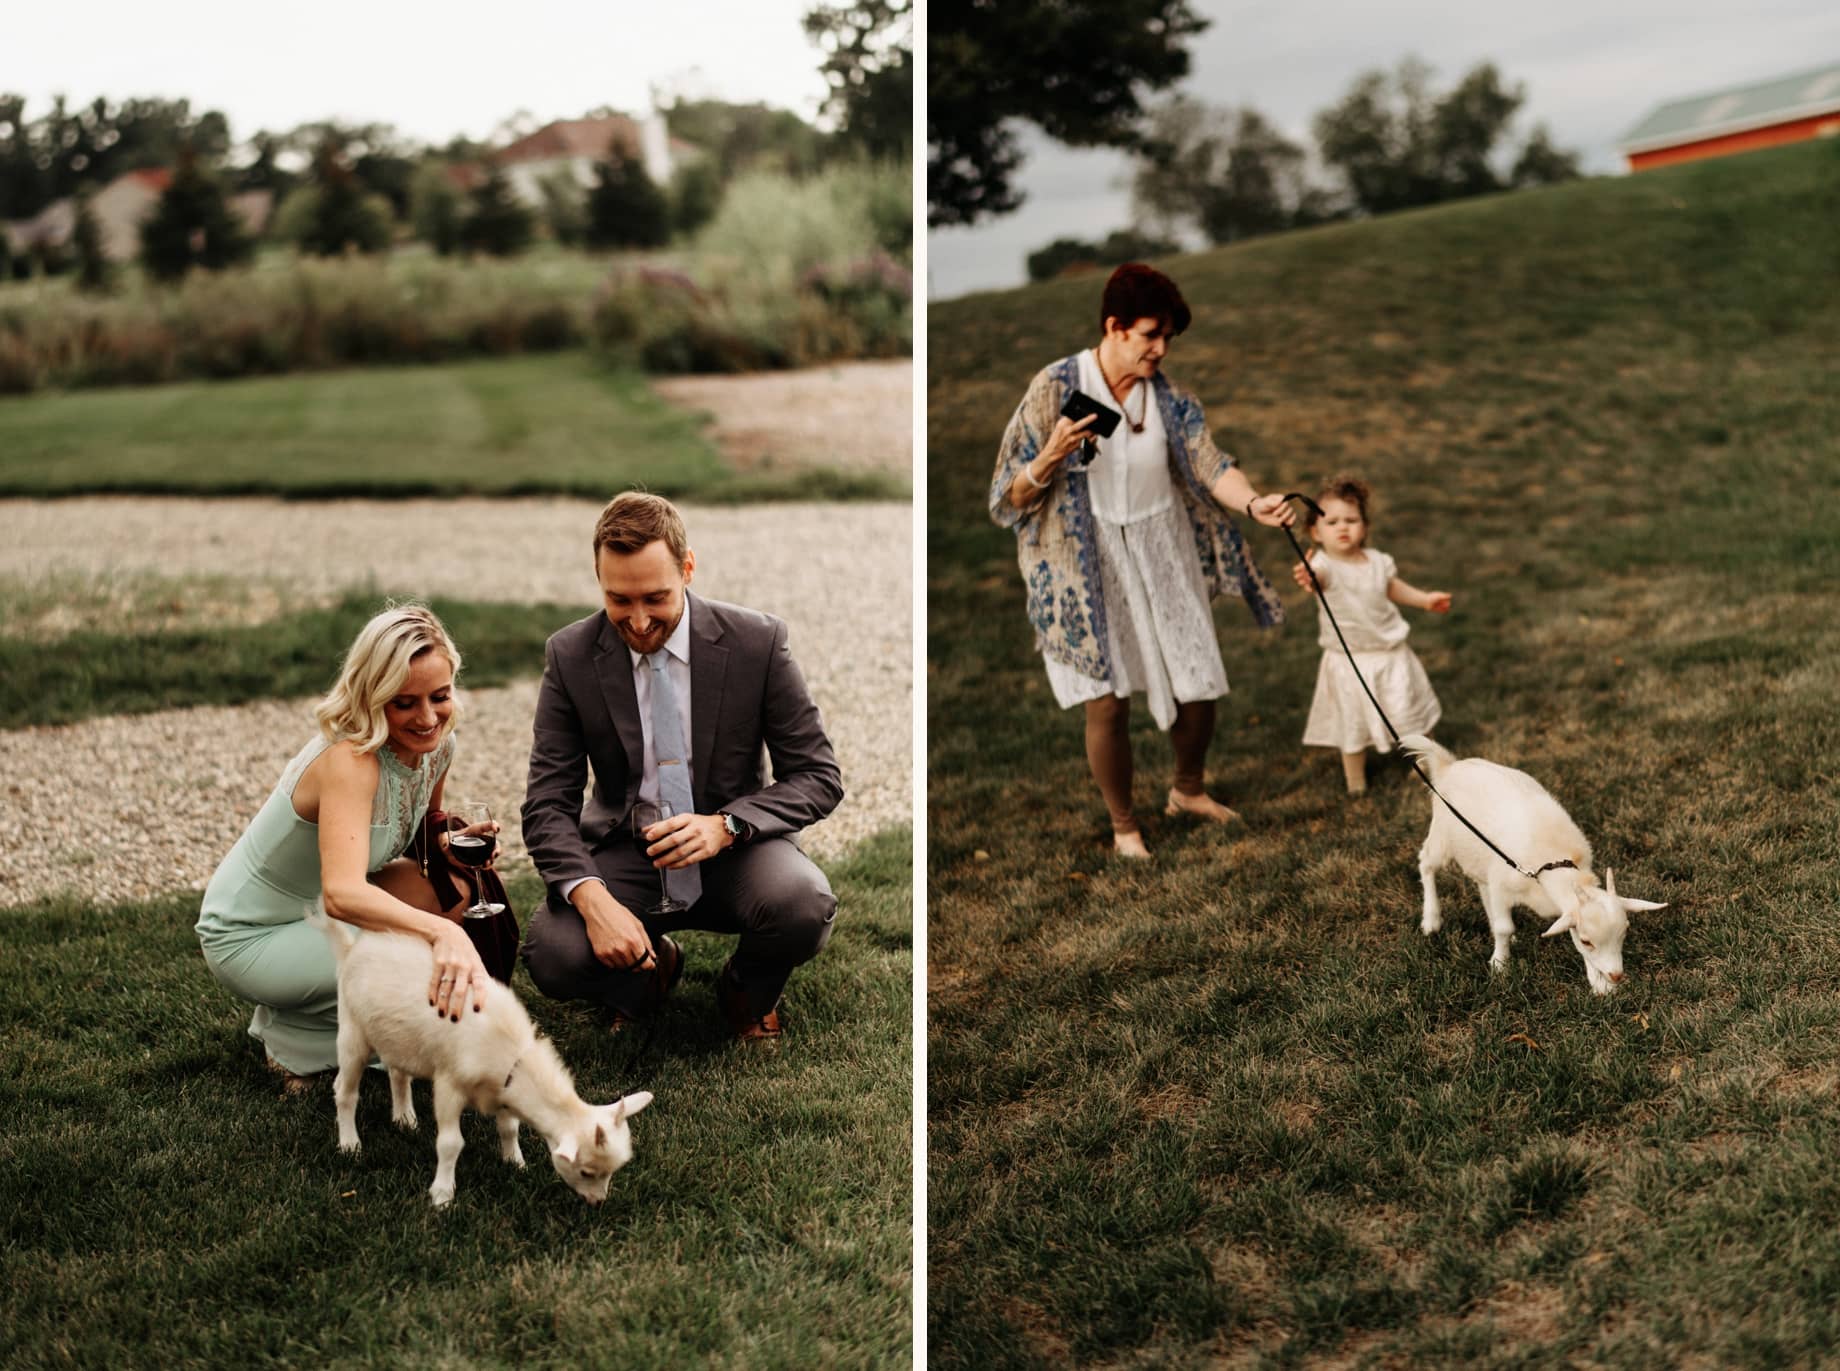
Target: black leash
x,y
1411,761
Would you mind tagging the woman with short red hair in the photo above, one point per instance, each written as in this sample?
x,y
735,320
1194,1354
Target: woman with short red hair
x,y
1124,540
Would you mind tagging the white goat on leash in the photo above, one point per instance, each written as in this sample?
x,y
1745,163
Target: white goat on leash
x,y
1526,822
492,1061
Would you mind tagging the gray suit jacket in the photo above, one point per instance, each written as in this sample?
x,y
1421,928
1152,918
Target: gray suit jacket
x,y
748,702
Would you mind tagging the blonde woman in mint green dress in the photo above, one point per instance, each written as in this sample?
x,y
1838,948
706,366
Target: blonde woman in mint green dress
x,y
344,810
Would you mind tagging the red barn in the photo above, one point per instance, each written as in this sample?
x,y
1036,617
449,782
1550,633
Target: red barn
x,y
1785,110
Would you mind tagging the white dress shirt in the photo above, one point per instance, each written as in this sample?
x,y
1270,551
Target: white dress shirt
x,y
677,665
1129,479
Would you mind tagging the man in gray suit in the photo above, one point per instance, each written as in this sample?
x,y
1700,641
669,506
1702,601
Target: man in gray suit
x,y
659,673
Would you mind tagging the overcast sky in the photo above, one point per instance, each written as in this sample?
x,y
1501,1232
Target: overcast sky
x,y
1592,69
432,69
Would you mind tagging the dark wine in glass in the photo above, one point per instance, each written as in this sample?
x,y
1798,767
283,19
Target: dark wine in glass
x,y
644,815
474,845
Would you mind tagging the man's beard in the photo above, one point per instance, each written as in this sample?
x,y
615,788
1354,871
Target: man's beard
x,y
653,638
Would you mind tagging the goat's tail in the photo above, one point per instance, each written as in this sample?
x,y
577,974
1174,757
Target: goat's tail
x,y
1435,758
339,935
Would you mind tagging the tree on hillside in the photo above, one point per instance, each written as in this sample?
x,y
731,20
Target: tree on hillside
x,y
626,209
1075,68
436,208
1542,164
496,220
1066,255
1397,145
1229,173
191,226
869,51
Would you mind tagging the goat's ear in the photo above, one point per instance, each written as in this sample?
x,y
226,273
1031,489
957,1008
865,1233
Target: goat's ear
x,y
567,1149
628,1105
600,1137
1641,906
1563,922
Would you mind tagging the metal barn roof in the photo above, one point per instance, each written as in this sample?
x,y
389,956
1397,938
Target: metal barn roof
x,y
1738,108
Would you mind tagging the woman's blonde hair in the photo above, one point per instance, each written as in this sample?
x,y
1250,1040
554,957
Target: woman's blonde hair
x,y
375,667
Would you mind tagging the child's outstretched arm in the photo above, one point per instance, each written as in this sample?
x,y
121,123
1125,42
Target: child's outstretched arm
x,y
1437,601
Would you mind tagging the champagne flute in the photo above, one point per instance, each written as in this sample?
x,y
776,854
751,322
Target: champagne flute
x,y
645,814
474,846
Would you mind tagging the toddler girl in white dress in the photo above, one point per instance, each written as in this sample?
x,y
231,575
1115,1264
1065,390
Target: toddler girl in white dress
x,y
1362,587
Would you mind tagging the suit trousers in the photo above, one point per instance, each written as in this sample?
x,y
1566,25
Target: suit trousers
x,y
767,892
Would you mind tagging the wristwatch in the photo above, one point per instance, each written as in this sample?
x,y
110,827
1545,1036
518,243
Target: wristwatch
x,y
736,829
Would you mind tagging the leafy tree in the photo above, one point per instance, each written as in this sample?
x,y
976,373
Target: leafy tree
x,y
95,273
626,209
1076,68
1231,174
742,138
1064,255
52,156
435,208
1542,164
496,221
191,226
869,51
1397,145
343,217
264,170
696,194
564,207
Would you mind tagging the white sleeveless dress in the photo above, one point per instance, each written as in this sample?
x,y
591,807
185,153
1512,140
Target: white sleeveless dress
x,y
1341,715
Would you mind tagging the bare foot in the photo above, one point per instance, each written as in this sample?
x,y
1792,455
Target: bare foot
x,y
1130,845
290,1083
1202,806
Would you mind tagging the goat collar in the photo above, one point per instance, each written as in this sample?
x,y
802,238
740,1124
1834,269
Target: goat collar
x,y
1550,866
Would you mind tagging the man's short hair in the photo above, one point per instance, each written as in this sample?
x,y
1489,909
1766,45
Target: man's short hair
x,y
634,520
1136,291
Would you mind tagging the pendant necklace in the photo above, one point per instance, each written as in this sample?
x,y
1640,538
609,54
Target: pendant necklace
x,y
1143,409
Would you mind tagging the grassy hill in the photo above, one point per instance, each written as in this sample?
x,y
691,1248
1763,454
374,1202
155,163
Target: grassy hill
x,y
1233,1106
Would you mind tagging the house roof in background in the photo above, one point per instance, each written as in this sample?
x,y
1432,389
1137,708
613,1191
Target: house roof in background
x,y
1737,108
591,138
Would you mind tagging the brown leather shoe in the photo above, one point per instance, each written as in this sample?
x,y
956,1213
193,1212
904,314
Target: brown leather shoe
x,y
747,1026
667,970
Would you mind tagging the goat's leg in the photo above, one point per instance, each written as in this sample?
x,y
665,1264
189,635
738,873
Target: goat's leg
x,y
354,1052
1501,921
508,1138
449,1100
402,1103
1430,859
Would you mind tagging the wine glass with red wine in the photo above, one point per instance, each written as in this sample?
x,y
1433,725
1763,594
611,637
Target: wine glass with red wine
x,y
644,815
474,845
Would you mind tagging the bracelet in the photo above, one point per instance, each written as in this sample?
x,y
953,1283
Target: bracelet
x,y
1030,477
1247,511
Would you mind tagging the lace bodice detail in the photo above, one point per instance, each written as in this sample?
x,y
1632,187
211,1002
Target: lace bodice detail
x,y
403,792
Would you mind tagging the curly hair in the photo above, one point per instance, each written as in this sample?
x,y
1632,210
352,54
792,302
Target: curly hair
x,y
375,667
1341,486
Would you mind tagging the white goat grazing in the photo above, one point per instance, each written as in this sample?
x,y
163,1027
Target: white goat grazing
x,y
492,1060
1528,824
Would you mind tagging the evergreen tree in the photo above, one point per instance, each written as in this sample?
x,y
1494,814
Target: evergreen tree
x,y
564,207
626,209
696,194
95,273
435,208
496,221
343,216
192,226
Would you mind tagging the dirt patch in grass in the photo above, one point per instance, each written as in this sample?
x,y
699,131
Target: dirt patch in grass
x,y
855,417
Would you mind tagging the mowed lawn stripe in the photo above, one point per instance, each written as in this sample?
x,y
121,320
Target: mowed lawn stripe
x,y
91,674
562,423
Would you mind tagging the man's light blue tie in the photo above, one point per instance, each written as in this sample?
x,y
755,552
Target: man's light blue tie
x,y
673,758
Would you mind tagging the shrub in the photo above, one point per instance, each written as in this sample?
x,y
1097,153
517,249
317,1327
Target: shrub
x,y
435,208
496,222
191,226
626,209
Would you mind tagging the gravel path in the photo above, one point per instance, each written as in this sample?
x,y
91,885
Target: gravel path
x,y
857,416
129,807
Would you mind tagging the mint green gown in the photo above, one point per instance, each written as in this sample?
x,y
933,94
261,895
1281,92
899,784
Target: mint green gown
x,y
253,922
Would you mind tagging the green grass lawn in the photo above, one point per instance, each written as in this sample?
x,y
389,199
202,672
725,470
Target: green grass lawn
x,y
554,424
1231,1107
168,1207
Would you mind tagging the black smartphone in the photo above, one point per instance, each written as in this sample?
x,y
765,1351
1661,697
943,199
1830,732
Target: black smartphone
x,y
1079,404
